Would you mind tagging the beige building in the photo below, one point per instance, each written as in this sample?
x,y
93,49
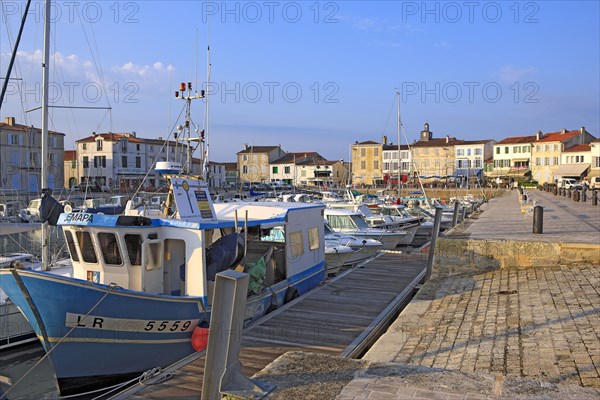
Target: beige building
x,y
253,162
547,150
71,169
433,158
367,168
512,159
21,157
595,154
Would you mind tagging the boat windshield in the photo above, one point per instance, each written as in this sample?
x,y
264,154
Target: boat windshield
x,y
360,222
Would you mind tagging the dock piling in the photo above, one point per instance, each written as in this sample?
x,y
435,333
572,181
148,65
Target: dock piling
x,y
434,235
538,219
223,371
455,214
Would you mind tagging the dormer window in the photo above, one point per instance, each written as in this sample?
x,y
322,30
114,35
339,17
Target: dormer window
x,y
99,145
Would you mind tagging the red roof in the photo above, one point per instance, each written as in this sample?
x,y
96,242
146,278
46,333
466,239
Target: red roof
x,y
579,148
440,142
111,137
517,140
70,155
557,136
369,142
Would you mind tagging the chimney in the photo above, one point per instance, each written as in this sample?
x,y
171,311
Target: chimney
x,y
384,140
10,121
582,130
133,133
582,135
245,146
447,139
160,138
564,130
538,135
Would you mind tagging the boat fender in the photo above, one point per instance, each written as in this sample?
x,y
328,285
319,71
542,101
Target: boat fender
x,y
200,337
290,294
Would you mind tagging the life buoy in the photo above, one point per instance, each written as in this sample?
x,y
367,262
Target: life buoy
x,y
290,294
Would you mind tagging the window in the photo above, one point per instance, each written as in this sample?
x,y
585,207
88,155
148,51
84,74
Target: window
x,y
138,162
556,147
538,147
477,152
87,247
526,149
98,145
546,160
296,244
244,169
416,151
86,162
386,155
13,139
245,157
124,145
425,151
497,150
363,152
33,159
437,152
363,165
556,161
538,161
460,152
103,159
505,149
137,147
275,170
133,244
84,146
74,164
468,152
546,147
478,163
376,152
95,161
52,160
516,149
109,248
386,166
71,245
286,170
151,149
124,161
596,162
153,252
375,164
313,238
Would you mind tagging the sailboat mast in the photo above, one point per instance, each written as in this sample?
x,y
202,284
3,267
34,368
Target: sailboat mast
x,y
44,161
399,158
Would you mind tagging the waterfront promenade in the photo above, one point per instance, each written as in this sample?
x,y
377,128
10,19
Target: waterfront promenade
x,y
500,332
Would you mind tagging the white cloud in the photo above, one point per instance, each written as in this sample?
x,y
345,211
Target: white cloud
x,y
509,73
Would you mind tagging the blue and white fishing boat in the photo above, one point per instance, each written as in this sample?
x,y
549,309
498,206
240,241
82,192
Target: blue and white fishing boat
x,y
142,287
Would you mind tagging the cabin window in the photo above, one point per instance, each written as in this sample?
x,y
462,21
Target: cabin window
x,y
313,238
109,247
340,222
153,259
134,249
87,247
297,244
71,244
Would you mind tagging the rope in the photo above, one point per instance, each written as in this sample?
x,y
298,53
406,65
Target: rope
x,y
111,287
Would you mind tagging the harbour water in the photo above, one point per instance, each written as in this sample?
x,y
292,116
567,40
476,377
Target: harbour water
x,y
37,384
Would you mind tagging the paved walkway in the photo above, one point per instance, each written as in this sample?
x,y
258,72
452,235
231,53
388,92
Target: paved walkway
x,y
564,220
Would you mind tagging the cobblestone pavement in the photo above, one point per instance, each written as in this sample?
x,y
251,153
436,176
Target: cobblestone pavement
x,y
541,324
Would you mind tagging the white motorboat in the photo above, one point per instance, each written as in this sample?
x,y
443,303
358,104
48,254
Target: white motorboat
x,y
353,223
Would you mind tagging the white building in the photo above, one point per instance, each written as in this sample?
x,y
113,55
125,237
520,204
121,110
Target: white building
x,y
391,162
595,155
512,158
216,174
575,162
122,161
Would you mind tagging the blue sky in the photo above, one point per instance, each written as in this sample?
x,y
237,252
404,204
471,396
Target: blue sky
x,y
313,76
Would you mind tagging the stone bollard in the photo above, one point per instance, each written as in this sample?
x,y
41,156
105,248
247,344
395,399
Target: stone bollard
x,y
594,197
583,195
538,219
569,193
576,195
555,191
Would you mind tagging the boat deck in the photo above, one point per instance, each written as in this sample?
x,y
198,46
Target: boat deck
x,y
341,317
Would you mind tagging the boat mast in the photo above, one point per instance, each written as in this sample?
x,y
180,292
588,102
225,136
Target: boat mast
x,y
44,161
399,158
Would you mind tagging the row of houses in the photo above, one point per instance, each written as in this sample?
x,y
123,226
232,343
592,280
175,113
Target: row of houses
x,y
540,157
124,161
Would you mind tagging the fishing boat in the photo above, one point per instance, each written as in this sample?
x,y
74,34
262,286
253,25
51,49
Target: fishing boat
x,y
142,287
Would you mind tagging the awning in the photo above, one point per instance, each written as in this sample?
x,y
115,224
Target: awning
x,y
469,173
519,172
594,172
571,169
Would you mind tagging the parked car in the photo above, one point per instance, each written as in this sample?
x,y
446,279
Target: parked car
x,y
568,183
595,182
